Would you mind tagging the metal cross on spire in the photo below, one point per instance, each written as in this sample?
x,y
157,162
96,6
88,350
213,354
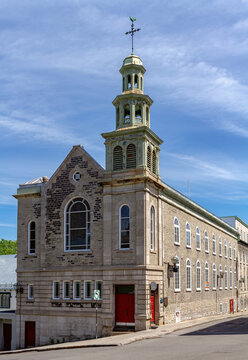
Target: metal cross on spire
x,y
132,31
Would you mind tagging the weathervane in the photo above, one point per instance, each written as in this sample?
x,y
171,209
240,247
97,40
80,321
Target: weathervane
x,y
132,31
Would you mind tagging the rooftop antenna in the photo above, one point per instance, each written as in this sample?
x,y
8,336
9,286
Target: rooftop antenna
x,y
132,31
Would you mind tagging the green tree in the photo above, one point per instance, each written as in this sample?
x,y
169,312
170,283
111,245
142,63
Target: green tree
x,y
8,247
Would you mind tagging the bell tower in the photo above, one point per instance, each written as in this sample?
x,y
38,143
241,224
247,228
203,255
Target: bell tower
x,y
132,146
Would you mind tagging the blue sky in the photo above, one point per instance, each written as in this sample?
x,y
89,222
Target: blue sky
x,y
60,62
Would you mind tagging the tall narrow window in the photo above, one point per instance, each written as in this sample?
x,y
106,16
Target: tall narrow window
x,y
123,84
214,277
87,290
206,241
206,276
225,278
149,155
66,290
154,162
177,276
129,84
220,247
136,81
30,292
188,275
56,290
77,218
225,248
126,114
230,278
117,158
152,228
214,244
138,113
131,156
198,275
76,290
31,237
198,239
176,231
98,286
235,278
230,250
188,235
221,277
124,226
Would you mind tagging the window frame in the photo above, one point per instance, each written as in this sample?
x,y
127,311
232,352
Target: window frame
x,y
230,278
75,282
225,277
30,291
177,274
176,232
85,289
206,242
225,248
196,237
64,289
188,235
5,297
214,276
188,276
214,244
206,276
97,288
129,232
54,285
198,267
220,246
29,238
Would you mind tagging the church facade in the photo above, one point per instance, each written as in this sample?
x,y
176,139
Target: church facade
x,y
154,255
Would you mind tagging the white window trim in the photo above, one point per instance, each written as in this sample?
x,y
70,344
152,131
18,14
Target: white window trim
x,y
214,241
220,246
206,237
226,277
198,248
65,208
230,278
29,288
64,282
29,239
179,277
215,277
85,282
188,230
198,288
206,268
74,290
54,297
221,279
178,226
96,281
230,252
225,249
120,248
189,266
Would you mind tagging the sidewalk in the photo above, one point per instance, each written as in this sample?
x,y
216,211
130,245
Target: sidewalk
x,y
128,338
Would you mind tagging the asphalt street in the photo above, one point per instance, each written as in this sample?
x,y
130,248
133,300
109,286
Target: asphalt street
x,y
216,340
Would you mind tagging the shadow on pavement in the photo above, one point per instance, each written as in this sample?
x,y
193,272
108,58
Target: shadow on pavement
x,y
231,327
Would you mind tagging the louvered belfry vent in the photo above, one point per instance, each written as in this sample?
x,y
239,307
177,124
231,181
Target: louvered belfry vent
x,y
149,155
118,158
154,167
131,156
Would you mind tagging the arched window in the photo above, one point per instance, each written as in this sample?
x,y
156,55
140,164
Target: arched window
x,y
206,241
188,235
176,231
124,227
230,250
214,277
198,239
126,114
117,158
77,218
214,244
198,275
129,84
154,162
206,276
226,283
230,278
136,81
220,247
152,228
138,113
188,275
131,156
149,154
31,237
177,276
221,277
225,248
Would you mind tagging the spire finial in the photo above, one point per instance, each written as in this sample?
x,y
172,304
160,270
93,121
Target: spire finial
x,y
132,31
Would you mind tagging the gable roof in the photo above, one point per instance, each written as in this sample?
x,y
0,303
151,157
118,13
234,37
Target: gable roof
x,y
8,276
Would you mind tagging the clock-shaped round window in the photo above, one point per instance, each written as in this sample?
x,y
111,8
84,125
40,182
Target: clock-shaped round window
x,y
76,176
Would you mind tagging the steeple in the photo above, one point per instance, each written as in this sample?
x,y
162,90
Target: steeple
x,y
132,106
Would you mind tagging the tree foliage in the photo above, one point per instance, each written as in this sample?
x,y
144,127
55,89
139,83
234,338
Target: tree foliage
x,y
8,247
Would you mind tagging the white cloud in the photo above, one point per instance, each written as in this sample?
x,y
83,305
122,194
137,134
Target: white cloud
x,y
7,225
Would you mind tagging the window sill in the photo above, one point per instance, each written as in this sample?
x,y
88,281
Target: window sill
x,y
214,254
78,251
153,252
30,301
188,246
207,251
126,249
177,244
177,291
188,290
198,249
198,290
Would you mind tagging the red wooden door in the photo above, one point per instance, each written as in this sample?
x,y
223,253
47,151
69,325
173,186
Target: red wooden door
x,y
152,307
7,330
29,333
124,309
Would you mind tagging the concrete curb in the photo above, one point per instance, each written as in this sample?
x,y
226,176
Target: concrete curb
x,y
125,339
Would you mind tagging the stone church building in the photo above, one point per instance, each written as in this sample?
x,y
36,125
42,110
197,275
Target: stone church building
x,y
155,255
